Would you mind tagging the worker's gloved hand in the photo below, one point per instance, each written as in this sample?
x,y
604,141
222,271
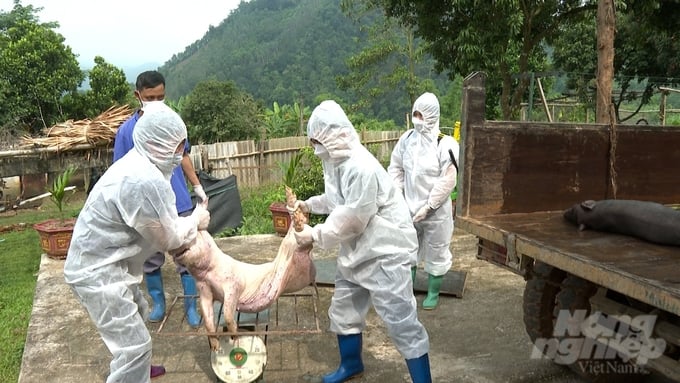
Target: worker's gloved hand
x,y
422,213
298,204
202,216
304,237
200,193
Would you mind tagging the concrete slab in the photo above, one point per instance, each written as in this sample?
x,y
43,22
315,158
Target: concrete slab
x,y
479,338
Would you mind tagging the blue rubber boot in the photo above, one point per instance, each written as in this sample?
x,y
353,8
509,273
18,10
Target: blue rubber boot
x,y
350,359
154,283
189,286
419,368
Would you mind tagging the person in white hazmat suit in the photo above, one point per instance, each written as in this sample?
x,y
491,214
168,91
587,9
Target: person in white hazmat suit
x,y
422,166
369,220
129,214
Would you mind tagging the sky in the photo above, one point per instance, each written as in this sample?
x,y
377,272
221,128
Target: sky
x,y
129,33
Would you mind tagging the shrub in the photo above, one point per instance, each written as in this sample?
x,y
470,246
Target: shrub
x,y
58,190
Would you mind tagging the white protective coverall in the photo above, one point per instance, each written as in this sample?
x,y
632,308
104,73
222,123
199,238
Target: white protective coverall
x,y
129,214
421,166
369,220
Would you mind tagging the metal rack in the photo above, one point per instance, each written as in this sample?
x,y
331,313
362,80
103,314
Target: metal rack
x,y
249,343
302,306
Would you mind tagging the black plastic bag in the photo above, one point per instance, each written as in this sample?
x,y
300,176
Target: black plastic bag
x,y
224,202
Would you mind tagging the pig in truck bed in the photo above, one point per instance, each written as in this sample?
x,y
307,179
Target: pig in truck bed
x,y
607,305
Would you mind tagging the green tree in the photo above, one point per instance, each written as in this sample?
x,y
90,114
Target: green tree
x,y
108,87
36,69
390,59
502,38
293,50
218,111
176,105
276,123
647,54
450,103
300,114
284,120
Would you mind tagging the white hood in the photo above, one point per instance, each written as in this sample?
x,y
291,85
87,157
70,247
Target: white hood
x,y
157,134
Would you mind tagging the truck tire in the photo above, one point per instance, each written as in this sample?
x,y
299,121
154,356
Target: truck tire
x,y
543,284
575,295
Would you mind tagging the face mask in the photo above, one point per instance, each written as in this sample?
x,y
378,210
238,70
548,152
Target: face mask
x,y
321,152
419,125
145,103
177,159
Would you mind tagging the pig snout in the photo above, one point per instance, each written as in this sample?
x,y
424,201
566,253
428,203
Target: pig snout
x,y
570,214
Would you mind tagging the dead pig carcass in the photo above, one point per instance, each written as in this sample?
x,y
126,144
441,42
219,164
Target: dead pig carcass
x,y
243,286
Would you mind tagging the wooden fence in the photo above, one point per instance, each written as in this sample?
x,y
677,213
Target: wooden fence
x,y
253,162
257,163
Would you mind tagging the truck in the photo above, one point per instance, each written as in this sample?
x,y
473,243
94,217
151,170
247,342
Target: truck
x,y
605,305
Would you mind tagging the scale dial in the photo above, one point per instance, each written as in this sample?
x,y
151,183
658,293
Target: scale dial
x,y
241,360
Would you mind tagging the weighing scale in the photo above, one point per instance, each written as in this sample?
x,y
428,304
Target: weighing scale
x,y
244,358
241,360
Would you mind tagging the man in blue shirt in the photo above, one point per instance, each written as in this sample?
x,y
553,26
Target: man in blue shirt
x,y
149,88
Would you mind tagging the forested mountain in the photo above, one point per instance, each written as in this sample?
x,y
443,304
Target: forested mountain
x,y
283,51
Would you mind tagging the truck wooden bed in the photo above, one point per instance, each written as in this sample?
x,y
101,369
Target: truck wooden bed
x,y
517,178
647,272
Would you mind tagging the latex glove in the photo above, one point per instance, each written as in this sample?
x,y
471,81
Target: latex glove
x,y
202,216
422,213
298,204
304,237
200,193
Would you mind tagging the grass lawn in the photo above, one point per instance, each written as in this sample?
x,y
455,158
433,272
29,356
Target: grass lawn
x,y
20,256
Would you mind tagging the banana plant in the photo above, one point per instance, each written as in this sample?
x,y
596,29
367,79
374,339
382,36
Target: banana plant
x,y
281,121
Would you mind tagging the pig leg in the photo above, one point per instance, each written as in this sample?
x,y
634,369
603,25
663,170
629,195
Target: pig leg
x,y
229,309
206,302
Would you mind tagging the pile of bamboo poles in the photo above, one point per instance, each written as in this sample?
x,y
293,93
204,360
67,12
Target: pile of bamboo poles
x,y
98,131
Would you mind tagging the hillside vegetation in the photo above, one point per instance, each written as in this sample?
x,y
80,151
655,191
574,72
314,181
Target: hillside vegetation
x,y
285,51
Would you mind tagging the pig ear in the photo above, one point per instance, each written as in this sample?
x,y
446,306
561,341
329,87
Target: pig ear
x,y
588,205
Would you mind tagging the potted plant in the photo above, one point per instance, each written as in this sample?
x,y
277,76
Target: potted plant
x,y
55,234
280,215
